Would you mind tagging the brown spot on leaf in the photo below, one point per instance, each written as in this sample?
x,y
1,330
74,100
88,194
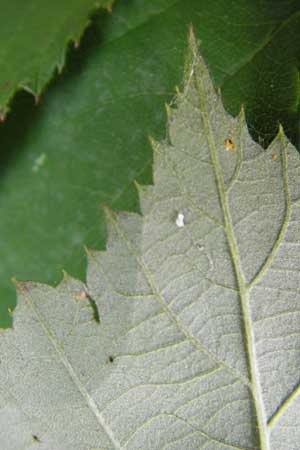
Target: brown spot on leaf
x,y
274,156
229,145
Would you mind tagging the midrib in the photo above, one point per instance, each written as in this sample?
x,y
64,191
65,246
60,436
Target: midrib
x,y
234,253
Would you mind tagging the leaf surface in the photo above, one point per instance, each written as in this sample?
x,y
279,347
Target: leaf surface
x,y
87,140
34,36
198,341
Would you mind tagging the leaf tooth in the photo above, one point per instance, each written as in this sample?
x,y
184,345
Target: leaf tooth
x,y
109,213
145,193
193,57
70,283
242,116
140,187
154,143
23,286
193,44
170,113
91,252
143,190
66,276
279,142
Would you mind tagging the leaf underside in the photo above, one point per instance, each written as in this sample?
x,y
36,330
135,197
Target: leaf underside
x,y
75,120
198,341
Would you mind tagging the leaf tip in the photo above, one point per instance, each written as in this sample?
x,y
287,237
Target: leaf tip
x,y
281,131
242,115
192,38
281,136
193,46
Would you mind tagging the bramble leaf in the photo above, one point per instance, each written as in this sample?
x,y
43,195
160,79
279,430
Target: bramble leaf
x,y
198,299
34,36
75,150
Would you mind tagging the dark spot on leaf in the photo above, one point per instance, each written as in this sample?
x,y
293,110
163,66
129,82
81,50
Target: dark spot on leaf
x,y
36,438
111,359
94,307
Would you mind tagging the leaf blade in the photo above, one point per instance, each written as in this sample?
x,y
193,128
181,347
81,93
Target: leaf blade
x,y
26,65
180,323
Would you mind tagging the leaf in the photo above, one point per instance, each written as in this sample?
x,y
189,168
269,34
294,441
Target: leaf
x,y
87,140
252,49
76,150
60,161
33,42
267,84
198,341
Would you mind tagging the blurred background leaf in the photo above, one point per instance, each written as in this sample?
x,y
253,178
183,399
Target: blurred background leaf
x,y
34,36
88,139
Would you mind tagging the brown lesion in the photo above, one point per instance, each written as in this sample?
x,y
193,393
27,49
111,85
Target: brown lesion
x,y
229,145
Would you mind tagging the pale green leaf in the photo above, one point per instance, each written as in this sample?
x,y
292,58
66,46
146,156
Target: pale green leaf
x,y
198,343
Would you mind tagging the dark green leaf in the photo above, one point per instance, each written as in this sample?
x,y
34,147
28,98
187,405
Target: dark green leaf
x,y
34,36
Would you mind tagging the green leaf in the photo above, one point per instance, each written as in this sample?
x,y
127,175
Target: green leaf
x,y
198,341
34,36
268,83
87,140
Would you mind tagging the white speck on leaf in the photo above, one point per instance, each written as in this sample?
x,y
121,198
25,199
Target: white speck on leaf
x,y
180,220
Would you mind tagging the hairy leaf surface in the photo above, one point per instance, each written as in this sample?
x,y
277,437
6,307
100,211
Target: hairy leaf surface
x,y
198,341
33,39
87,140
